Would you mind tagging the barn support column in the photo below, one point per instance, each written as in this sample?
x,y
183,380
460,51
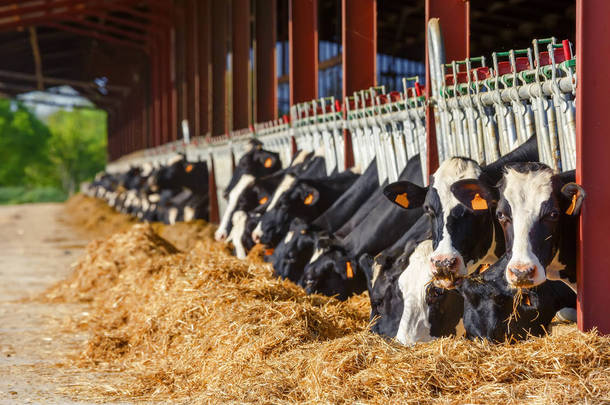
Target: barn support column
x,y
240,28
266,72
592,163
180,59
303,37
204,67
192,53
454,16
219,67
359,33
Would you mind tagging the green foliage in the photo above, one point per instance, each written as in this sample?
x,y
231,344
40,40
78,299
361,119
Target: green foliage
x,y
48,161
21,195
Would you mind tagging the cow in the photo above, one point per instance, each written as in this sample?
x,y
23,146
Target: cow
x,y
299,197
538,212
493,310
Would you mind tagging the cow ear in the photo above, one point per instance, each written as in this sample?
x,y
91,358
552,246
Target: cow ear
x,y
405,194
475,195
575,194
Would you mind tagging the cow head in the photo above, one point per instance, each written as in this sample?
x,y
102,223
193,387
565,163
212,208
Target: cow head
x,y
292,254
463,235
292,199
536,209
256,163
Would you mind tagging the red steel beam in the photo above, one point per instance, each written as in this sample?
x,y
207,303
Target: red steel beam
x,y
303,45
219,67
205,71
240,18
97,35
108,29
192,53
455,27
266,74
592,163
180,43
359,34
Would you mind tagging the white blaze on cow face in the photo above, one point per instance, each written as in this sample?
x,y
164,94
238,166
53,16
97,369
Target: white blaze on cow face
x,y
525,194
154,198
222,231
172,215
284,186
189,213
316,255
300,158
147,168
289,236
450,171
239,221
174,159
414,325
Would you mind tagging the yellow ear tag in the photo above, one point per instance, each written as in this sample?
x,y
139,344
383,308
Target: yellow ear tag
x,y
478,203
308,199
263,200
268,162
527,300
572,206
188,168
348,270
483,267
402,200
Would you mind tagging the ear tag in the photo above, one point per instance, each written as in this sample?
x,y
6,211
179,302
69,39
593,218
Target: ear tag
x,y
302,231
188,168
348,270
268,162
483,268
308,199
268,252
402,200
527,300
572,206
478,203
263,200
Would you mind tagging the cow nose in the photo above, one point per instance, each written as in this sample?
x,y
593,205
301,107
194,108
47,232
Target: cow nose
x,y
522,272
444,262
221,236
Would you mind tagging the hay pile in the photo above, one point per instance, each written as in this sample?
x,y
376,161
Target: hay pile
x,y
196,324
94,216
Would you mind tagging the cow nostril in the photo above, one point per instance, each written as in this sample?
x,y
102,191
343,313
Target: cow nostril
x,y
445,263
523,272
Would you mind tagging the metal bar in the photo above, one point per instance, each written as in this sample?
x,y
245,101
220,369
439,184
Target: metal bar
x,y
180,43
213,192
219,58
109,29
266,73
592,163
193,53
58,81
303,48
454,20
37,59
241,60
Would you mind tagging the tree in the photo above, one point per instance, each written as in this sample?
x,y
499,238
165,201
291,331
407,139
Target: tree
x,y
23,144
77,147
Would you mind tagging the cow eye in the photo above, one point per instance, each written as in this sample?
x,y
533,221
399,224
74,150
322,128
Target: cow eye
x,y
553,215
428,210
502,217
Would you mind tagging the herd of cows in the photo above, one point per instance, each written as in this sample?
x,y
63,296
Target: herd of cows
x,y
482,251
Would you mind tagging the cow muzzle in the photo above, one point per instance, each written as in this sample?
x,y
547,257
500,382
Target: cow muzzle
x,y
220,236
521,274
445,270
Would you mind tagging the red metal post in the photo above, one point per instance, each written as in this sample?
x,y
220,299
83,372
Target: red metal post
x,y
454,18
240,13
204,67
219,67
212,191
592,163
303,37
359,33
266,72
193,52
180,43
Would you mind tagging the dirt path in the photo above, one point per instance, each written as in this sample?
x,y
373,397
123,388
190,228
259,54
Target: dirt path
x,y
36,250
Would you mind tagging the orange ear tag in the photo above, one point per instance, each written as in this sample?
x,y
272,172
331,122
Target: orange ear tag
x,y
348,270
268,252
263,200
402,200
188,168
268,162
527,300
483,267
572,206
308,199
478,203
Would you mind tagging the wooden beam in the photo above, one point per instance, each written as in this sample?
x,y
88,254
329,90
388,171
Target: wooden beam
x,y
266,72
37,59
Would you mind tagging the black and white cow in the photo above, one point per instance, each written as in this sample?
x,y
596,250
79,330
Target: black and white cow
x,y
538,212
493,310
